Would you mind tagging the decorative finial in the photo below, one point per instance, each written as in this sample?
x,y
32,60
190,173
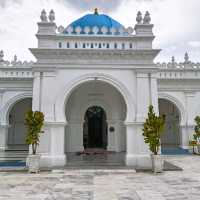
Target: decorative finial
x,y
139,17
186,57
1,55
147,18
96,11
52,16
15,58
43,16
173,59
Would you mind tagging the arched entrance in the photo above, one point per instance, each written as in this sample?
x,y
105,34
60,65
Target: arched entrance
x,y
95,128
172,133
17,128
95,112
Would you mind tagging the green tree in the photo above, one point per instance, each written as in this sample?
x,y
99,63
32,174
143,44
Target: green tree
x,y
152,130
34,122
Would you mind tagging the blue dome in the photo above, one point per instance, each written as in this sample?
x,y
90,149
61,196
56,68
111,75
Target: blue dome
x,y
95,20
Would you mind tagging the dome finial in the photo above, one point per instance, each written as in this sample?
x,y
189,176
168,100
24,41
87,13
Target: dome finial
x,y
96,11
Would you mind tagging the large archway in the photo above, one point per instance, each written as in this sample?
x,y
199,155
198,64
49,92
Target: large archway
x,y
96,95
172,133
17,129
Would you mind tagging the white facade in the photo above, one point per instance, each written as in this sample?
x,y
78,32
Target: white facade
x,y
116,72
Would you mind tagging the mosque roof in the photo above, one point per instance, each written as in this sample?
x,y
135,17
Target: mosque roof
x,y
96,21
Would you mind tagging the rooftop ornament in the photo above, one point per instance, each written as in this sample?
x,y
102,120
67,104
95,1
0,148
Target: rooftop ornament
x,y
147,18
43,16
96,11
52,16
1,55
186,58
139,17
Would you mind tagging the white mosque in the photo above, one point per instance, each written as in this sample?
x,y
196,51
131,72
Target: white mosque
x,y
94,81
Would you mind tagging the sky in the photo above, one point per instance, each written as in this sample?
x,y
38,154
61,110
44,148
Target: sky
x,y
176,23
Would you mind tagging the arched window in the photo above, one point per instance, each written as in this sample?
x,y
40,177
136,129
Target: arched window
x,y
60,44
99,45
115,45
92,45
84,45
68,45
76,45
131,45
123,46
107,45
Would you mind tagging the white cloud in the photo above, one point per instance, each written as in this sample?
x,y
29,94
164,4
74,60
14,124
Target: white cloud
x,y
176,23
195,44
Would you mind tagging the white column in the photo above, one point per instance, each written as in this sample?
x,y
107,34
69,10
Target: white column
x,y
187,129
3,125
138,154
3,136
36,102
154,92
74,138
58,157
47,83
111,137
186,133
143,96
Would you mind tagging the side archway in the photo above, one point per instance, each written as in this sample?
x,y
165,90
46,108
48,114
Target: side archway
x,y
9,105
177,103
171,137
14,117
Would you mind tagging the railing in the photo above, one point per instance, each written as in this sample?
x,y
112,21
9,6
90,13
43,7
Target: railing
x,y
16,73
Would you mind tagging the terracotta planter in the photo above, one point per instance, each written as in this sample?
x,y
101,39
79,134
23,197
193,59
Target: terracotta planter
x,y
33,163
157,163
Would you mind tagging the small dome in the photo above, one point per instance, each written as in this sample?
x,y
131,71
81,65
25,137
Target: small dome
x,y
96,20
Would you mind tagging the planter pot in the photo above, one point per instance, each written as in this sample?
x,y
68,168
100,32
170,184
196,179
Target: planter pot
x,y
198,148
191,150
157,163
33,163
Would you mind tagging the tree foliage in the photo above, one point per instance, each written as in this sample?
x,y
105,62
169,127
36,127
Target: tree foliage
x,y
34,122
196,136
152,130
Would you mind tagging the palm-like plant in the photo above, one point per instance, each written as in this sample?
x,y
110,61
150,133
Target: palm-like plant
x,y
34,121
152,130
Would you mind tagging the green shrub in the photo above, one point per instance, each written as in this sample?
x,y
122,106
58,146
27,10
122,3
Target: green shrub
x,y
152,130
34,122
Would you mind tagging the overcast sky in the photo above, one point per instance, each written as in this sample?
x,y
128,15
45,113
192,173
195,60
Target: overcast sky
x,y
177,26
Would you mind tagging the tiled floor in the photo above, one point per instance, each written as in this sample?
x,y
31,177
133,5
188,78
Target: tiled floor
x,y
102,184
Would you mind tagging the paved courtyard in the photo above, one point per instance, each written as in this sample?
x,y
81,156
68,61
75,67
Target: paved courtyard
x,y
121,184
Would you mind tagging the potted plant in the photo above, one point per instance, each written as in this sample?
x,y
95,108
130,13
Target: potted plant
x,y
34,121
193,144
196,136
152,130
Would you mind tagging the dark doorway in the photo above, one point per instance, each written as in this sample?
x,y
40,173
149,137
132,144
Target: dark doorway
x,y
95,128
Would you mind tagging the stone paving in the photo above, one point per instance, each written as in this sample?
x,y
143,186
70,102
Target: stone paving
x,y
122,184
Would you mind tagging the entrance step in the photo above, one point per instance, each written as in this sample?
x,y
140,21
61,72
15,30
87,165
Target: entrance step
x,y
96,160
